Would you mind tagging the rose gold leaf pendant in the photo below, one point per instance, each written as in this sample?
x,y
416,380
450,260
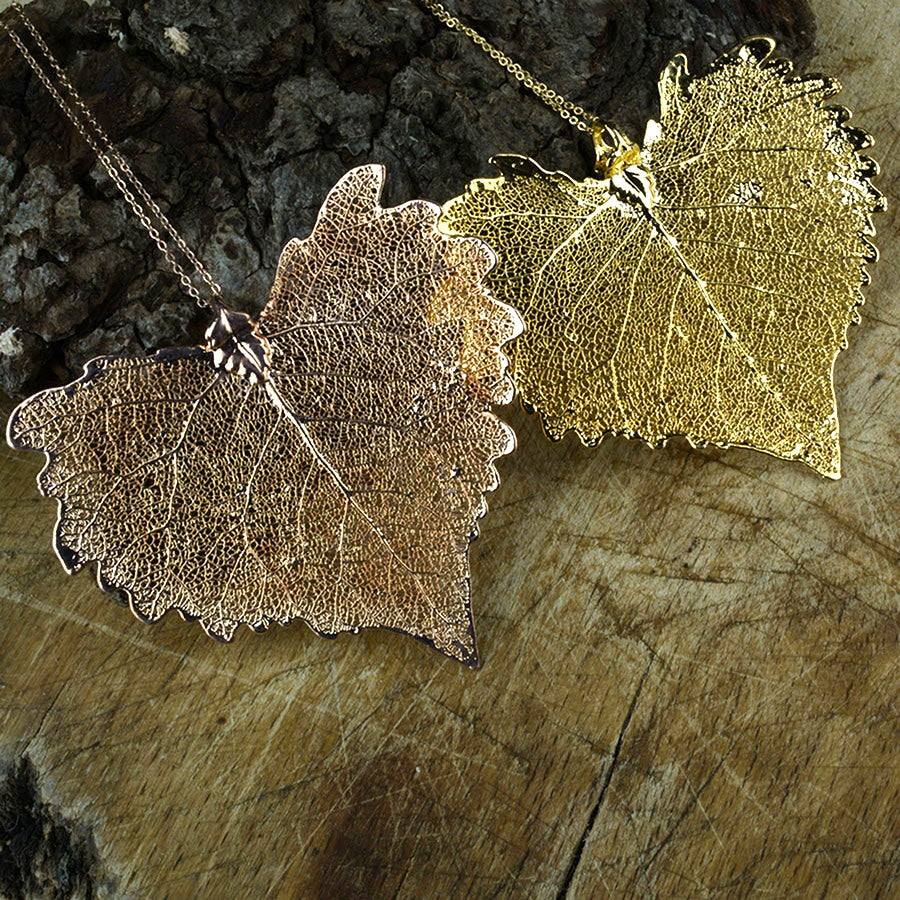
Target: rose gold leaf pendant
x,y
327,462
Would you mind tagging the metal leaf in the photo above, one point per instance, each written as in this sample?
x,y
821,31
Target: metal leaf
x,y
328,463
703,285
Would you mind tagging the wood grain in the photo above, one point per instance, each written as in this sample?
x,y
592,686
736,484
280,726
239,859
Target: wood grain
x,y
689,680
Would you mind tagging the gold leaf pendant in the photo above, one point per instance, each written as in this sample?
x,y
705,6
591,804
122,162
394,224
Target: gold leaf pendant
x,y
701,285
328,462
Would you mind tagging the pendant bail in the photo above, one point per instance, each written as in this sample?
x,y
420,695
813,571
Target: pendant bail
x,y
613,151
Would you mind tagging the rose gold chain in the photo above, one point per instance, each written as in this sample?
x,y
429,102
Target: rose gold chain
x,y
114,163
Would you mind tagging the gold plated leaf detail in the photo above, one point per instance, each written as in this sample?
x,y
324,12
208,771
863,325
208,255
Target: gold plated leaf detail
x,y
702,285
328,463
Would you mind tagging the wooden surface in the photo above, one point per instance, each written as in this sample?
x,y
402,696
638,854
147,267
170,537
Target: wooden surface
x,y
689,680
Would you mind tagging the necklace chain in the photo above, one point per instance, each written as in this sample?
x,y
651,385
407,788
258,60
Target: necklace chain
x,y
571,112
113,162
128,184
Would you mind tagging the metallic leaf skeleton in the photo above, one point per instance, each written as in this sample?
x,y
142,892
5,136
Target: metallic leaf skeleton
x,y
327,462
702,284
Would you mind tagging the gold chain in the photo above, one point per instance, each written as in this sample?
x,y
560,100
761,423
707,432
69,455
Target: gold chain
x,y
571,112
113,162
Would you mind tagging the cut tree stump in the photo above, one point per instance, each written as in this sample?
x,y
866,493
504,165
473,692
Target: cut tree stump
x,y
689,656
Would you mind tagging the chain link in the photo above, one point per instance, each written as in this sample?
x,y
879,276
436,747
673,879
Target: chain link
x,y
114,163
571,112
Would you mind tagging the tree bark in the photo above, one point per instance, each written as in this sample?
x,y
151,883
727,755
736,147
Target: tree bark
x,y
240,116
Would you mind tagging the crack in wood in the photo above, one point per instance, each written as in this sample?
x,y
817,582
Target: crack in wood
x,y
592,818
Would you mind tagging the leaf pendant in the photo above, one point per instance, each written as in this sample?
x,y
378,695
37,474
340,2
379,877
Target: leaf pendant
x,y
703,284
328,462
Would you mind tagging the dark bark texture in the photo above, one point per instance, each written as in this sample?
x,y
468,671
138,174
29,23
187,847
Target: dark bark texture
x,y
42,853
239,117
